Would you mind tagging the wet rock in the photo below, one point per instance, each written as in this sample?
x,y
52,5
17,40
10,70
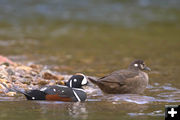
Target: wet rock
x,y
2,87
3,73
27,77
18,82
9,85
1,92
43,82
13,78
33,87
34,73
24,86
26,81
50,76
24,69
60,82
10,72
33,66
3,80
10,94
52,82
60,77
6,64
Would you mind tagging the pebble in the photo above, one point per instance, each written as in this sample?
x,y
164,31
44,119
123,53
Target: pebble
x,y
50,76
43,82
11,94
3,80
27,77
52,82
60,82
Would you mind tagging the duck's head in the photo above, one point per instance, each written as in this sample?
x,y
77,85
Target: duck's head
x,y
139,65
77,81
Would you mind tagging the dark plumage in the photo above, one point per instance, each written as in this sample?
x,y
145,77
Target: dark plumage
x,y
72,92
127,81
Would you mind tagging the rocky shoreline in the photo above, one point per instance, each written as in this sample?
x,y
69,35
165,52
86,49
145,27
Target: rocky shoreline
x,y
26,77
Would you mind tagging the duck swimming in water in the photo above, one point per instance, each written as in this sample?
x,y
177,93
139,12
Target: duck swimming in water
x,y
132,80
71,92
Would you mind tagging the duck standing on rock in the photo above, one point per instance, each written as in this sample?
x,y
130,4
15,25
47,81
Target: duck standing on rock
x,y
127,81
72,92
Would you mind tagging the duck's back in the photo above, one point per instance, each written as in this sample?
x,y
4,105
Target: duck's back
x,y
119,76
123,81
64,93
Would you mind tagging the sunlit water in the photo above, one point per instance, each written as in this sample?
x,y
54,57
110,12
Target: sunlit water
x,y
95,38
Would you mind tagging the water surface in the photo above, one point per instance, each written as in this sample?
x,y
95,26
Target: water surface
x,y
95,38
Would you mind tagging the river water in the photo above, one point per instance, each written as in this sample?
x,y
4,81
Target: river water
x,y
95,38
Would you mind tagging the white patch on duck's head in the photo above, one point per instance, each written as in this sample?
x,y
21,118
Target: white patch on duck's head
x,y
142,66
84,81
135,65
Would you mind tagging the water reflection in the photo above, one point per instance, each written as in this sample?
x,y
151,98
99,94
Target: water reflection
x,y
64,109
94,37
78,110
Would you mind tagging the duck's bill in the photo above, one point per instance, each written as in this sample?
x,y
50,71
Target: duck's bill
x,y
147,69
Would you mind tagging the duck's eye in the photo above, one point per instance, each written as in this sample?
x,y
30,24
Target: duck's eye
x,y
135,65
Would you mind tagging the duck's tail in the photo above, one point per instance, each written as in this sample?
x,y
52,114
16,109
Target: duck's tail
x,y
14,89
93,80
30,95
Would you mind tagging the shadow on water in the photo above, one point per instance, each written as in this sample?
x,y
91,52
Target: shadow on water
x,y
96,38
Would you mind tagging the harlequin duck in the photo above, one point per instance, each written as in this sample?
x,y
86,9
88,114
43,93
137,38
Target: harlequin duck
x,y
127,81
72,92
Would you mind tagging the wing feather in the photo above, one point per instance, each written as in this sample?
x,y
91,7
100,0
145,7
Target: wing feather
x,y
119,77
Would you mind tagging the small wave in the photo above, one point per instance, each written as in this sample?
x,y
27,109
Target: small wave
x,y
157,93
154,113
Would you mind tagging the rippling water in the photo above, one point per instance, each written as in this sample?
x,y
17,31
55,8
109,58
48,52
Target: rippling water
x,y
96,38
